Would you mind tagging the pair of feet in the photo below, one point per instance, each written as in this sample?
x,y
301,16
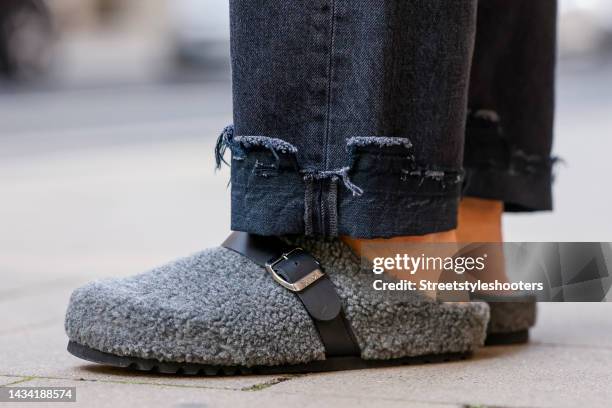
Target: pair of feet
x,y
219,310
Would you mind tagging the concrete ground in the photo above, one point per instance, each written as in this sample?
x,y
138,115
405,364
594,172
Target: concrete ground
x,y
112,181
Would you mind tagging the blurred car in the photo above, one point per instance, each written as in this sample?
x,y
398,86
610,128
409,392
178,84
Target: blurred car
x,y
200,31
25,38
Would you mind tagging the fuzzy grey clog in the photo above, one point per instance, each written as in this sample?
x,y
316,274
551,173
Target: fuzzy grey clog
x,y
512,314
511,318
218,312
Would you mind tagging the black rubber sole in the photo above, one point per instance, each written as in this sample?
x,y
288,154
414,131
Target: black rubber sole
x,y
331,364
504,339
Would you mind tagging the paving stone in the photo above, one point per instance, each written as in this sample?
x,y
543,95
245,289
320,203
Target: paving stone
x,y
9,380
103,394
516,376
41,352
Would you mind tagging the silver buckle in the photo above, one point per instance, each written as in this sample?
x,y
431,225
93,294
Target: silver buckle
x,y
298,286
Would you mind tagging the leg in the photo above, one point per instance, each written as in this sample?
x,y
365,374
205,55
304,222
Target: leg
x,y
349,118
510,122
511,103
509,136
480,220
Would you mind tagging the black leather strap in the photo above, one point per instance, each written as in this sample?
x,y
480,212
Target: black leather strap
x,y
319,297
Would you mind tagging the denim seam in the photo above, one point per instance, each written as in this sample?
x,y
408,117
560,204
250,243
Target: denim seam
x,y
332,199
330,72
308,200
322,208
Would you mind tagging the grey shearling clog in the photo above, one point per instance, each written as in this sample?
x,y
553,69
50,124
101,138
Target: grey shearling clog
x,y
218,311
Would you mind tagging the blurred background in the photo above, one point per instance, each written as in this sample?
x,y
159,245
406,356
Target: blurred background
x,y
109,110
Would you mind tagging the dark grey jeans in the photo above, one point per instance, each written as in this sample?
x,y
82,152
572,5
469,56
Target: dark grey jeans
x,y
371,118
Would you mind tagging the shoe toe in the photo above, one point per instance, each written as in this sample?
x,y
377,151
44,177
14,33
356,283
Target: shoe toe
x,y
214,307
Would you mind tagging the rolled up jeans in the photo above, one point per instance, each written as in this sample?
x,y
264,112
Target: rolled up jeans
x,y
373,118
